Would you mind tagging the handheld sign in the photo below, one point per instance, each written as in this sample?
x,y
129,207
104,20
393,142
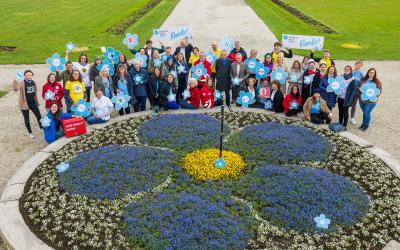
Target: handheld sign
x,y
303,42
56,62
245,98
130,40
227,44
19,75
82,108
336,85
121,100
70,46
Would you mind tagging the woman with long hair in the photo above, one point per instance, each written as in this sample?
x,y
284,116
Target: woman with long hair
x,y
329,97
316,110
52,91
292,102
54,131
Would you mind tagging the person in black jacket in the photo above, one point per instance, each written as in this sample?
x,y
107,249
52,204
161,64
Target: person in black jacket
x,y
185,47
223,77
311,79
346,99
167,91
122,82
276,97
236,50
155,82
149,49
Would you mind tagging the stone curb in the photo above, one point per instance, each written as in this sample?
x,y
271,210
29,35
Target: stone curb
x,y
18,236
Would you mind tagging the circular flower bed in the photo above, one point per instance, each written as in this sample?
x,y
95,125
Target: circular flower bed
x,y
201,164
336,196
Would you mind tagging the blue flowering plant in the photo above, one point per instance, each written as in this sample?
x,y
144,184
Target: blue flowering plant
x,y
112,55
81,108
369,92
121,100
199,70
131,40
56,62
245,98
280,75
336,85
141,58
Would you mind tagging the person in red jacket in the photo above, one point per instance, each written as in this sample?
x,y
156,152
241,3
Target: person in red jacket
x,y
207,95
201,81
52,92
193,101
292,102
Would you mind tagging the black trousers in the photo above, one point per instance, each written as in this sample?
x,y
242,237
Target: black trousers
x,y
235,91
343,112
320,118
182,85
127,110
36,112
140,104
292,112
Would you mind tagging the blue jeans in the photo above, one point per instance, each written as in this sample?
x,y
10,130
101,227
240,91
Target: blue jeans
x,y
185,105
59,134
367,109
93,120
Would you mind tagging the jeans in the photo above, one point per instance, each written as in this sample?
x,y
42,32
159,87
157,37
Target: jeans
x,y
140,103
59,133
36,112
186,105
343,112
93,120
367,109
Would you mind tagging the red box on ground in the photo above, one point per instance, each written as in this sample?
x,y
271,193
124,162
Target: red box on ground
x,y
74,126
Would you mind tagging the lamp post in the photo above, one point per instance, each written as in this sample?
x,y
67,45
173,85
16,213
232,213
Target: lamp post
x,y
220,162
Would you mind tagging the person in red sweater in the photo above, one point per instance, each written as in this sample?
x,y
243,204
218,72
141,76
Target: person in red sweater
x,y
193,101
201,81
207,95
292,102
52,92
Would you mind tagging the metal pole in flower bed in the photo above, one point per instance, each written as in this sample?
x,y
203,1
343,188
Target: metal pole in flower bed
x,y
220,162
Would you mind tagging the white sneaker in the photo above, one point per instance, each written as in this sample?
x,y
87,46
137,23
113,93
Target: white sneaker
x,y
32,136
352,121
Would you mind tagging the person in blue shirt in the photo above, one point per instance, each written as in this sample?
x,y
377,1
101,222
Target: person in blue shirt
x,y
54,131
122,82
316,110
140,79
358,75
104,82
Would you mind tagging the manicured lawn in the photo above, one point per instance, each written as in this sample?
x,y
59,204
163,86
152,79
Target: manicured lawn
x,y
2,93
372,25
40,28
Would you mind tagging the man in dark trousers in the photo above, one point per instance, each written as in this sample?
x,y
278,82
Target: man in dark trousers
x,y
223,76
186,48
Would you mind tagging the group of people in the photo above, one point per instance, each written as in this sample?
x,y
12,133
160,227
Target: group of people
x,y
164,78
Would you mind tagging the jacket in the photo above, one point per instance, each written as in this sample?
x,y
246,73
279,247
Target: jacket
x,y
154,86
164,92
188,51
307,90
329,97
93,72
307,107
64,76
232,54
288,99
150,66
139,88
207,97
243,74
58,91
194,97
277,101
20,86
50,131
223,71
98,83
320,60
351,93
274,55
182,74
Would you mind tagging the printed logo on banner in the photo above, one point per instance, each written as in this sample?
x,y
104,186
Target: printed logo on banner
x,y
177,33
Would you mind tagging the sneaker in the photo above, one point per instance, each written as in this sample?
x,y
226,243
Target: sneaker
x,y
361,127
352,121
32,136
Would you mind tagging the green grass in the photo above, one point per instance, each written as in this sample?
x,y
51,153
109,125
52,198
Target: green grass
x,y
371,24
2,93
43,27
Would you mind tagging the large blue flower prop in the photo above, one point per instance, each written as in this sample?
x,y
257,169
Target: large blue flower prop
x,y
199,70
121,100
322,221
164,57
268,104
106,64
227,44
211,57
252,64
181,69
293,77
157,63
262,72
236,81
45,122
369,92
112,55
49,95
70,46
293,105
279,75
81,108
131,40
56,62
171,97
141,58
307,80
217,94
336,85
245,98
137,79
62,167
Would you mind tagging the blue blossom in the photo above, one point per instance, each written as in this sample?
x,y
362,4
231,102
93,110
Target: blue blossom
x,y
70,46
211,57
293,105
181,69
279,75
45,121
217,94
252,64
140,58
81,108
121,100
131,40
262,72
220,163
62,167
112,55
19,75
199,70
138,79
227,44
322,221
369,92
268,104
171,97
56,62
336,85
49,95
106,64
245,98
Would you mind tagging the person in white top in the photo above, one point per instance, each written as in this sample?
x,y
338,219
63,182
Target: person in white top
x,y
101,109
83,67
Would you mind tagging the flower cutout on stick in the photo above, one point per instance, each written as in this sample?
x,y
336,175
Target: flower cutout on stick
x,y
199,70
81,108
245,98
262,72
322,221
293,105
293,77
171,97
112,55
164,57
226,43
70,46
19,75
131,40
186,94
137,79
49,95
307,80
236,81
106,64
157,63
369,92
280,75
121,100
336,85
252,64
268,105
140,58
217,94
45,122
56,62
62,167
211,57
220,163
181,69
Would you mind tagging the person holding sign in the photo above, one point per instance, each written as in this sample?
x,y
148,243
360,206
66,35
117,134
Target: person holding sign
x,y
74,89
296,75
140,79
193,101
263,91
201,81
54,130
168,94
279,52
281,65
236,50
329,97
52,91
311,79
185,48
315,109
292,102
239,74
325,59
223,77
370,89
346,99
28,100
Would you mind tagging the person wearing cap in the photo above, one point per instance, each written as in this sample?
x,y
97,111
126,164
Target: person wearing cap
x,y
93,71
316,110
325,59
185,48
279,52
236,50
217,52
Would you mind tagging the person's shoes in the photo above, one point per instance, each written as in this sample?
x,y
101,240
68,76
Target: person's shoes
x,y
364,128
32,136
361,127
344,128
352,121
230,108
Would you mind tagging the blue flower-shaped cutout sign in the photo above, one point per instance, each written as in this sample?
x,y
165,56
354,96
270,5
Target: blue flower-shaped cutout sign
x,y
112,55
268,104
262,72
220,163
369,92
293,105
62,167
252,64
307,80
199,70
293,77
164,57
217,94
45,121
236,81
245,98
141,58
137,79
19,75
322,221
49,95
211,57
70,46
106,64
131,40
279,75
336,85
186,94
56,62
227,44
157,63
81,108
171,97
181,69
121,100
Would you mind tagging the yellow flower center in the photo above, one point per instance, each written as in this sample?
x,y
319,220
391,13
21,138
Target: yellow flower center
x,y
200,164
